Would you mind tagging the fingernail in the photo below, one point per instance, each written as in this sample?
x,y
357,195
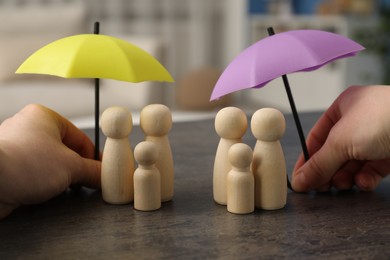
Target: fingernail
x,y
365,183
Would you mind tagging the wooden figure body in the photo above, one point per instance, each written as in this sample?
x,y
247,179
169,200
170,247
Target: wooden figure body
x,y
156,122
230,124
240,180
269,165
147,183
118,160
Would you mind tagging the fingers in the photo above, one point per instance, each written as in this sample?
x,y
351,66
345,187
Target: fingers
x,y
75,139
318,135
344,179
299,163
371,174
366,175
318,170
87,173
70,135
91,177
367,182
83,170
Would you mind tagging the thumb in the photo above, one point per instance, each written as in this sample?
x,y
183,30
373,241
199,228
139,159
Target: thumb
x,y
88,174
318,170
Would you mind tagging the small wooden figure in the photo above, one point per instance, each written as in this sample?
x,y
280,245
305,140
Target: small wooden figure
x,y
230,124
156,122
269,165
240,180
118,160
147,183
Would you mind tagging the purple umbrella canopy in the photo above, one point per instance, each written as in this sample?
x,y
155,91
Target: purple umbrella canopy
x,y
280,54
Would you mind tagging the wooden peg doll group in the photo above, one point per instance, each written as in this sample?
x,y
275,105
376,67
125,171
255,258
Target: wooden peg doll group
x,y
244,180
153,180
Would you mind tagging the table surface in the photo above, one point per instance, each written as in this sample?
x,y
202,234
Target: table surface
x,y
78,224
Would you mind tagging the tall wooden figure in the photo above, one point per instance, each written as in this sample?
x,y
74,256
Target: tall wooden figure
x,y
240,180
230,124
269,165
118,160
156,122
147,183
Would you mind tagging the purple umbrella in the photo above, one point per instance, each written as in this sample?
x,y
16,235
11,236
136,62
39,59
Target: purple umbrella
x,y
280,54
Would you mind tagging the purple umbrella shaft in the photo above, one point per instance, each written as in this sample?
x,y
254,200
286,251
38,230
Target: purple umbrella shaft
x,y
296,118
295,114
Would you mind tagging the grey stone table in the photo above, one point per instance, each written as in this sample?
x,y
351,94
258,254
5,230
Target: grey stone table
x,y
79,225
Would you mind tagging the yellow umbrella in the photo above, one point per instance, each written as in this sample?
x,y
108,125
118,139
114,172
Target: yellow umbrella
x,y
95,56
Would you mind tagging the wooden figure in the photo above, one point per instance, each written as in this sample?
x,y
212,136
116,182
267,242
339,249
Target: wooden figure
x,y
269,165
156,122
230,124
147,183
240,180
118,160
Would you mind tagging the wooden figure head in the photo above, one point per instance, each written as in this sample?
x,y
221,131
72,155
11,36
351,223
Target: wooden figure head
x,y
116,122
231,123
268,124
156,120
145,153
240,155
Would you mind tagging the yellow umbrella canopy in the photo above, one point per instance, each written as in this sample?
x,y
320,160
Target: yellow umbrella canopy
x,y
95,56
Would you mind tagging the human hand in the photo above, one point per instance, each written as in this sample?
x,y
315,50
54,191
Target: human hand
x,y
41,155
350,143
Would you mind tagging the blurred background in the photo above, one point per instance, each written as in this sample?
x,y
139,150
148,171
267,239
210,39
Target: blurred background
x,y
195,40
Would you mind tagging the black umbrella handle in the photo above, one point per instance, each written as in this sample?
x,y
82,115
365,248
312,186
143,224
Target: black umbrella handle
x,y
96,28
296,118
295,115
97,106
